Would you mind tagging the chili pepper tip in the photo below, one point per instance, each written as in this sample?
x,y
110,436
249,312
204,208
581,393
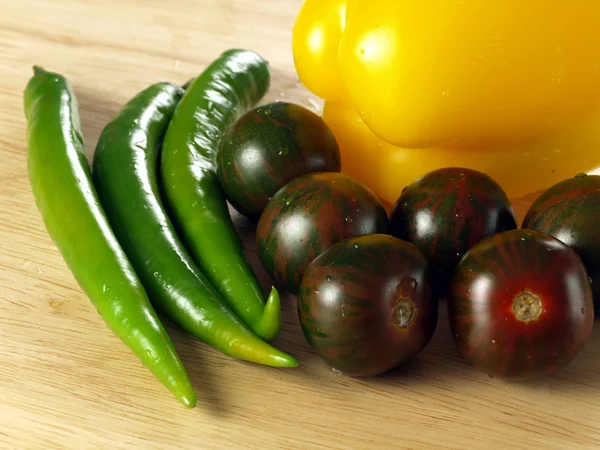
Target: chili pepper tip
x,y
269,324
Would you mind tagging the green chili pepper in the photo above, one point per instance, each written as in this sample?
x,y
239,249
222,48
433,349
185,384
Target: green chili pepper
x,y
232,84
65,196
125,174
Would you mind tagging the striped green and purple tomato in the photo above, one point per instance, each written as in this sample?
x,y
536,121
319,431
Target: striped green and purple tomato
x,y
365,305
310,214
270,146
520,305
570,211
446,212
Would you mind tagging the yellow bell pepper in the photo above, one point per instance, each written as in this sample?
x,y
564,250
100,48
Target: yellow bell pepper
x,y
511,87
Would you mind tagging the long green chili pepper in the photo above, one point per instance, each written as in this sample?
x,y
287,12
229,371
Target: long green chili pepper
x,y
232,84
65,196
125,174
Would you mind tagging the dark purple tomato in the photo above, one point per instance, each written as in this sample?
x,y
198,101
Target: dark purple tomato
x,y
446,212
570,211
270,146
310,214
520,305
365,304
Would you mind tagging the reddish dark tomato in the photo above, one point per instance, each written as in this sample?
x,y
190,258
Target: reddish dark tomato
x,y
270,146
446,212
365,304
310,214
520,305
570,211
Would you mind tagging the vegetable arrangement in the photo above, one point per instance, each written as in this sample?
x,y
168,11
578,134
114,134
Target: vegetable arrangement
x,y
310,214
488,86
116,234
446,212
148,231
125,176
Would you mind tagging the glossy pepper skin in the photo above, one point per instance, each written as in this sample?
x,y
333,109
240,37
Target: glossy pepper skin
x,y
68,203
230,86
125,175
507,88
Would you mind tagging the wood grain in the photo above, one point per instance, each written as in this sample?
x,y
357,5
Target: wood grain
x,y
66,382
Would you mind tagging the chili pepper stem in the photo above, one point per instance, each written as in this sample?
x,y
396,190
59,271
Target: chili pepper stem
x,y
269,325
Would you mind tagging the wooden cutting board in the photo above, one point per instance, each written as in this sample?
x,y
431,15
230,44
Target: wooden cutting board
x,y
67,382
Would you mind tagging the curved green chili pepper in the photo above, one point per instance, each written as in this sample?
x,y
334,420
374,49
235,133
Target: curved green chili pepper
x,y
232,84
125,175
65,196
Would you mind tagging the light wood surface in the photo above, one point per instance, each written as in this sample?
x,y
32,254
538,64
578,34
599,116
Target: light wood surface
x,y
66,382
